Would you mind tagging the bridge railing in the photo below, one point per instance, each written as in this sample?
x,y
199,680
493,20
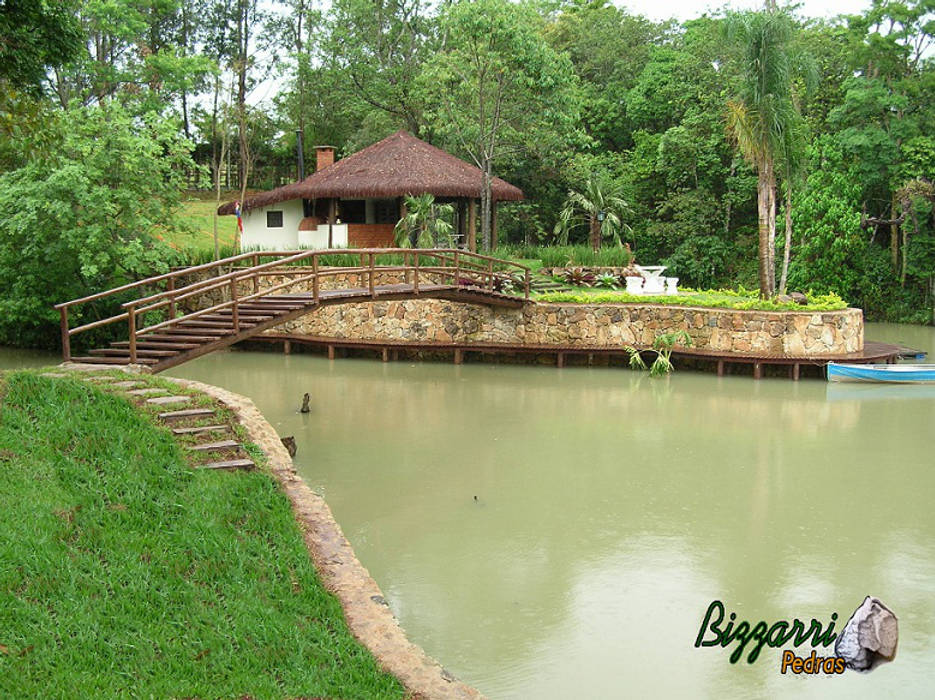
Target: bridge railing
x,y
462,268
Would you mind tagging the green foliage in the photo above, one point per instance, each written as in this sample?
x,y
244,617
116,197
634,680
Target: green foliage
x,y
126,572
565,256
663,346
425,224
86,217
599,207
744,300
36,35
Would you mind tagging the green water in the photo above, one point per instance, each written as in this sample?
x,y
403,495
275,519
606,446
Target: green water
x,y
612,508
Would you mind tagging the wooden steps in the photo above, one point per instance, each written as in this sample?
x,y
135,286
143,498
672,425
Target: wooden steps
x,y
187,413
220,445
198,429
229,464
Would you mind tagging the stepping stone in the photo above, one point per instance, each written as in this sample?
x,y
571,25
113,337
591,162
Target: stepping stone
x,y
163,400
229,464
187,413
125,384
200,429
54,374
222,445
147,392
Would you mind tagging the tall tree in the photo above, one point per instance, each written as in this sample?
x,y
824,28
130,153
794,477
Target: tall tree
x,y
497,88
762,117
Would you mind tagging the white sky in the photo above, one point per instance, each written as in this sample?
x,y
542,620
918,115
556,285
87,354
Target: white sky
x,y
690,9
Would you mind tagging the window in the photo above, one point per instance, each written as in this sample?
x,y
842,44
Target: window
x,y
274,219
385,211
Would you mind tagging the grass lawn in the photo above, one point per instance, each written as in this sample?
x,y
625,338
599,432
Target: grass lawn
x,y
199,213
125,572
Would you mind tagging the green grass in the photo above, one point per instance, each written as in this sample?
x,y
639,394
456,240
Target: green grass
x,y
717,299
199,214
125,572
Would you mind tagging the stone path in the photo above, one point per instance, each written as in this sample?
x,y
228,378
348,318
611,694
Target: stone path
x,y
219,453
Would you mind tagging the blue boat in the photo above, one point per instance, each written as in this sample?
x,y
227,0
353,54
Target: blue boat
x,y
908,373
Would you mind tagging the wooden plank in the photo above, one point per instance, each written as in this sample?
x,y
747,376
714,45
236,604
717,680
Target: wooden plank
x,y
220,445
200,429
140,352
187,413
229,464
113,360
156,345
165,400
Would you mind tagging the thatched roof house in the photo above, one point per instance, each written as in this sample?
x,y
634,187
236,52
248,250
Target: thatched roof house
x,y
364,193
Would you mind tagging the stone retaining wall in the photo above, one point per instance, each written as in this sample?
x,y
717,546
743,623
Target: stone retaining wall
x,y
788,332
794,333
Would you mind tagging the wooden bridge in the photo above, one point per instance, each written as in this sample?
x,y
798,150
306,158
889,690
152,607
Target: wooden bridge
x,y
196,310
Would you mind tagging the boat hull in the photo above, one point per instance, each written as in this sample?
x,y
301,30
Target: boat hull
x,y
897,374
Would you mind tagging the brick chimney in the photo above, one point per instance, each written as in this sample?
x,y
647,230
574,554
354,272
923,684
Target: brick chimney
x,y
324,156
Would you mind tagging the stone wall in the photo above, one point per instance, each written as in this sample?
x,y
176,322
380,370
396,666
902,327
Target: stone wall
x,y
794,333
787,332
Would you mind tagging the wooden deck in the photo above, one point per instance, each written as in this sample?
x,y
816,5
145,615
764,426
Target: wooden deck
x,y
872,352
215,325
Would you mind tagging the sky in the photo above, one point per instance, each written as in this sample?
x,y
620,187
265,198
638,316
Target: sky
x,y
689,9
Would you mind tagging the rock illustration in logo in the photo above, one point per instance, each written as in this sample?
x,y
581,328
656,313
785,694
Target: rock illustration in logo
x,y
869,638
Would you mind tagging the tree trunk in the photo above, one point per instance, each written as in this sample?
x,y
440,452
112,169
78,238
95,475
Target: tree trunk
x,y
772,227
787,247
894,235
762,202
594,233
485,205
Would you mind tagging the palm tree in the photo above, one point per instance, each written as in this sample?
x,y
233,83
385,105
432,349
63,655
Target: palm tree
x,y
424,225
763,116
600,206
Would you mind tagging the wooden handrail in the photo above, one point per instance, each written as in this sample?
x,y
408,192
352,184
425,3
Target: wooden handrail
x,y
450,262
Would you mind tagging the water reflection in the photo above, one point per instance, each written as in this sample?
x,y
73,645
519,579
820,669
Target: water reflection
x,y
610,510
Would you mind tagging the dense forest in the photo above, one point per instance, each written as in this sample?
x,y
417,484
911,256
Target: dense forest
x,y
110,111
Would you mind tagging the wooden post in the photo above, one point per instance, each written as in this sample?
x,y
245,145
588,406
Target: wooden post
x,y
131,321
331,352
490,275
526,283
315,278
472,226
170,286
287,347
406,266
494,233
459,356
385,354
560,360
373,292
66,337
235,312
795,371
757,370
256,275
457,273
415,273
720,368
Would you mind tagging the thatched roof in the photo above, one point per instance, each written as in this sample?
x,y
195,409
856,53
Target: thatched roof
x,y
397,166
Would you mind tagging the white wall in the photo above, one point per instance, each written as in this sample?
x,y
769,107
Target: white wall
x,y
257,235
318,239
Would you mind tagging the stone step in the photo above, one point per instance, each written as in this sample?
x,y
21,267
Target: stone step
x,y
151,391
220,445
200,429
187,413
165,400
229,464
128,384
